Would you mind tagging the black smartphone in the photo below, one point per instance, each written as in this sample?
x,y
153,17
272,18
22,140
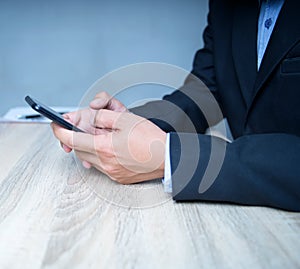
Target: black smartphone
x,y
50,114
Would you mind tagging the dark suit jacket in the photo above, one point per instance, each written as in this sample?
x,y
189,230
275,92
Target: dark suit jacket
x,y
262,165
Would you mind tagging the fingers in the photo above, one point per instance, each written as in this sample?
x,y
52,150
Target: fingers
x,y
86,164
72,117
65,148
106,119
104,101
84,120
74,140
91,160
88,159
100,101
111,167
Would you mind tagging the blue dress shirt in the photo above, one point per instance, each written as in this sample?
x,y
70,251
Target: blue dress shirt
x,y
269,12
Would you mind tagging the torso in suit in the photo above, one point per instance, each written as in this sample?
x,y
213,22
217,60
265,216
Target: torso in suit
x,y
262,165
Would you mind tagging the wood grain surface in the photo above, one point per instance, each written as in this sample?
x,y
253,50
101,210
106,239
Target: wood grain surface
x,y
56,214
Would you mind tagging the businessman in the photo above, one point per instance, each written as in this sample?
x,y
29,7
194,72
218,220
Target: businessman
x,y
251,64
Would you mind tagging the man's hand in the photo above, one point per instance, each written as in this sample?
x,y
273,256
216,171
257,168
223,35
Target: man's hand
x,y
85,118
126,147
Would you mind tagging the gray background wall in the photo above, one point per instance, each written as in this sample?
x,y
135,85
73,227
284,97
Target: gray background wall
x,y
55,50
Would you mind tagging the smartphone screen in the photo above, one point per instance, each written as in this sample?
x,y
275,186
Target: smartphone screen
x,y
50,114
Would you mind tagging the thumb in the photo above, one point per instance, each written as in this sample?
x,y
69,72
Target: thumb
x,y
107,119
71,117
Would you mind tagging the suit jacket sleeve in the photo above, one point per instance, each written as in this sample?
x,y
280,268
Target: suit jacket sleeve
x,y
260,169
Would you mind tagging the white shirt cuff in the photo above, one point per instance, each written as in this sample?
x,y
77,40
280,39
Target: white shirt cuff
x,y
167,180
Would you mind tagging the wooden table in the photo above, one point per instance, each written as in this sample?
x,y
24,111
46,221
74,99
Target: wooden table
x,y
56,214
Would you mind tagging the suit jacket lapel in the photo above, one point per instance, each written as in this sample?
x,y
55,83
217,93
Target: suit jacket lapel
x,y
244,45
285,34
